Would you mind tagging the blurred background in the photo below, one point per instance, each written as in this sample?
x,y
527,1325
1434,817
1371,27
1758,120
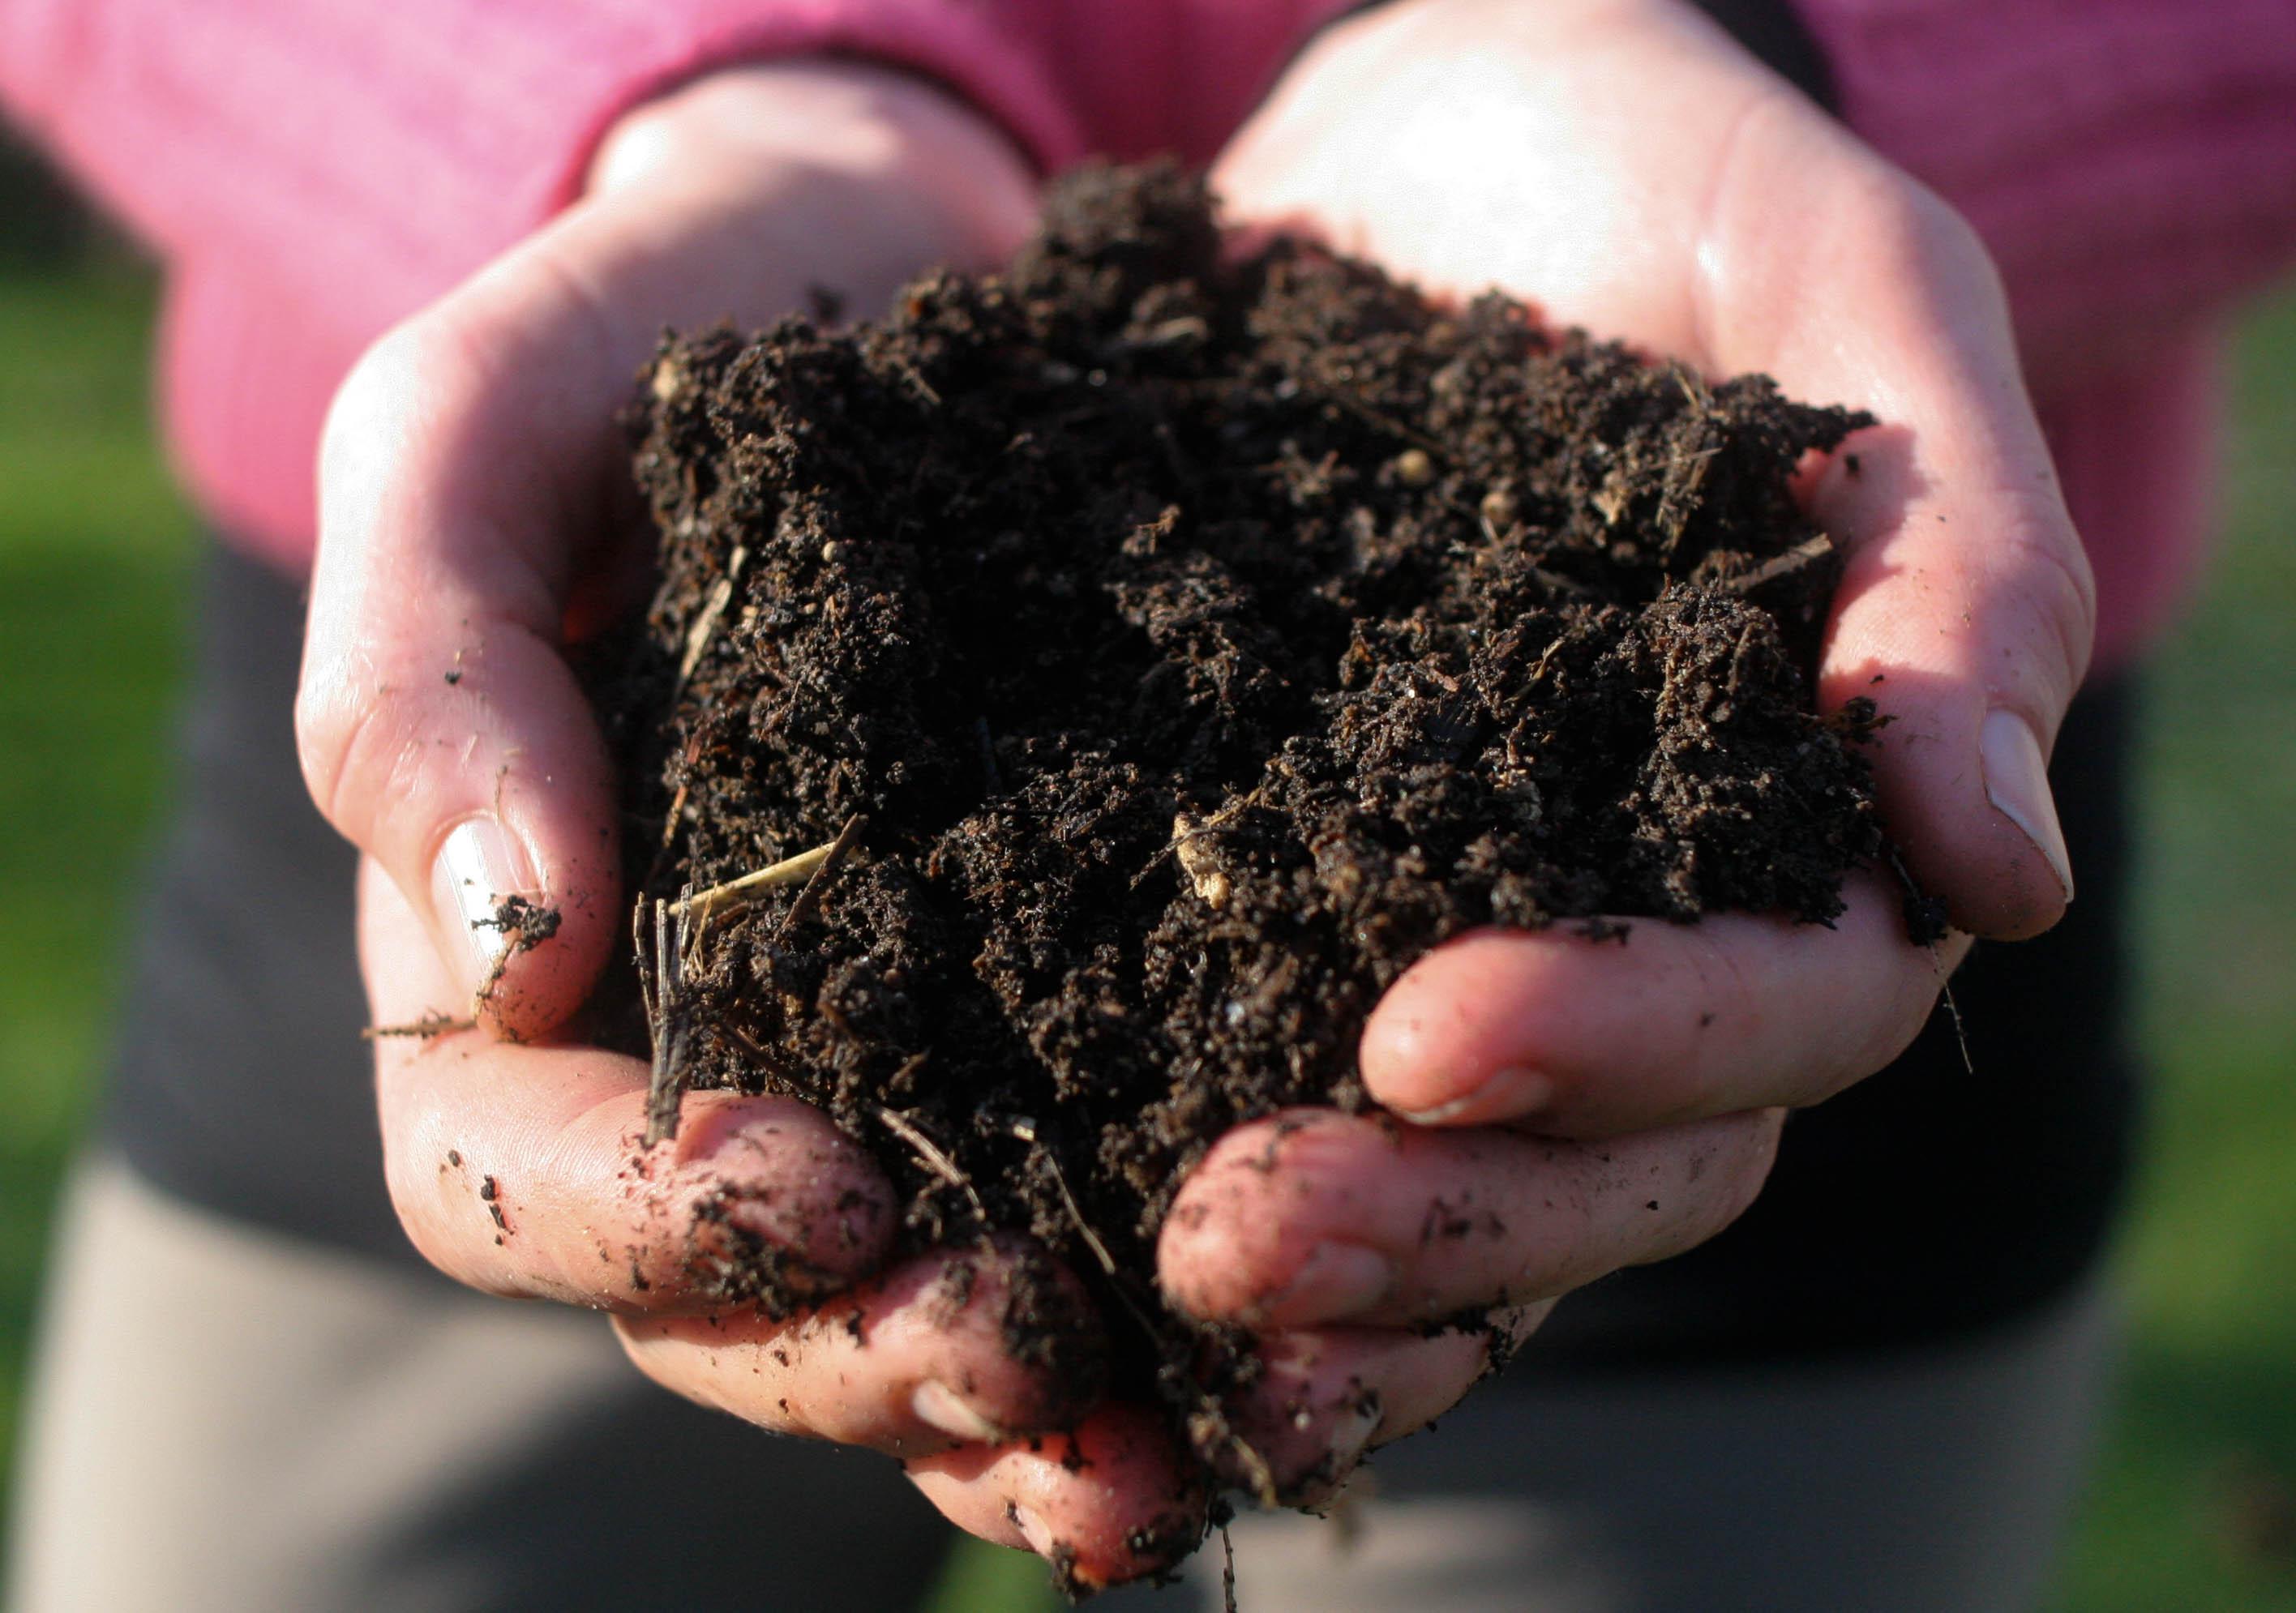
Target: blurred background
x,y
2195,1503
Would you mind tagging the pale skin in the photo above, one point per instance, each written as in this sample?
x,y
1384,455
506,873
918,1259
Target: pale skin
x,y
1618,162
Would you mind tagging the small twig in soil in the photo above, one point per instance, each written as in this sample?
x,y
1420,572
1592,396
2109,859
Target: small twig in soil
x,y
1960,1030
936,1161
1198,862
909,373
1539,667
809,898
1257,1473
1182,838
1208,1413
739,893
721,594
669,824
1693,386
1083,1230
1802,555
1914,899
661,981
1554,582
639,931
431,1024
930,1152
1187,327
1026,1130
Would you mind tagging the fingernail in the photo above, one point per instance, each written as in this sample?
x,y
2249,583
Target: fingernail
x,y
938,1406
2017,783
1032,1529
479,865
1510,1095
1335,1279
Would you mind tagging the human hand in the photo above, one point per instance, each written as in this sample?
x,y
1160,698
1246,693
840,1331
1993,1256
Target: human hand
x,y
1625,166
476,513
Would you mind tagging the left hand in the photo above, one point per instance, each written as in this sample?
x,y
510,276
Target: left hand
x,y
1628,168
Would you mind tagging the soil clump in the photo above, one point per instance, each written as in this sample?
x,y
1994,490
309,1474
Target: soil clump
x,y
1198,640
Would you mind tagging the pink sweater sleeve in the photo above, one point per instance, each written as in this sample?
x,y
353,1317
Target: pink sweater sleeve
x,y
365,153
2131,163
312,170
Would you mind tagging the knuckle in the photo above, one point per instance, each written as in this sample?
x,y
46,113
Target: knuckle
x,y
1902,221
2055,593
365,404
419,381
360,744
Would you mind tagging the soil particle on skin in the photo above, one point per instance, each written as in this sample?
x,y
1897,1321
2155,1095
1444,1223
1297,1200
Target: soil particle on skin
x,y
523,924
1202,641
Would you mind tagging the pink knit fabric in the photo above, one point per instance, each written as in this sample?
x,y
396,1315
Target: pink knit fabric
x,y
2132,166
311,171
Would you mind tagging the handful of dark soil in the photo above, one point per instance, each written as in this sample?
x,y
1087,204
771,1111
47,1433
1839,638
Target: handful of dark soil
x,y
1197,643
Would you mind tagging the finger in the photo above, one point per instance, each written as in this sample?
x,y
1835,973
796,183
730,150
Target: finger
x,y
1107,1502
1967,620
518,1170
1967,607
925,1358
1316,1216
463,473
1582,1038
1325,1397
471,470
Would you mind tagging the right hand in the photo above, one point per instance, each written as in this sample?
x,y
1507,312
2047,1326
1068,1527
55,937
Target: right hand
x,y
1627,166
474,503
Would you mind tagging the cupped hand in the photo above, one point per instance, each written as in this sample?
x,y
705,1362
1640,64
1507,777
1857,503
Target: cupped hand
x,y
1568,1108
476,512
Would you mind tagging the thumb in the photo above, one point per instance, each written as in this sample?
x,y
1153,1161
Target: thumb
x,y
1965,607
1966,604
471,460
463,470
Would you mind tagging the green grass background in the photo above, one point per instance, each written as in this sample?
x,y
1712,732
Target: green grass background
x,y
2193,1504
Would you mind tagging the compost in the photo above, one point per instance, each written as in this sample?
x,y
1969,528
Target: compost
x,y
1173,645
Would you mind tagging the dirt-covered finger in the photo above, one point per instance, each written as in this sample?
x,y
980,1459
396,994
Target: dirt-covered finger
x,y
521,1171
440,727
1584,1037
1967,607
1317,1216
963,1346
1327,1396
1109,1502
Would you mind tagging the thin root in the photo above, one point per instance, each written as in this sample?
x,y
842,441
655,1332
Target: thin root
x,y
809,898
705,625
1802,555
734,894
661,981
936,1160
431,1024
